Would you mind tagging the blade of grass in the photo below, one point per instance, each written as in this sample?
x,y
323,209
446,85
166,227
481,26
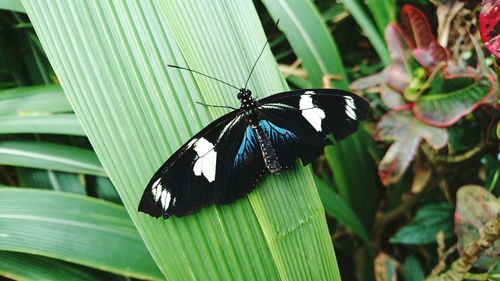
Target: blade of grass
x,y
63,124
111,58
19,266
50,156
383,11
73,228
338,209
33,99
53,180
355,175
310,39
355,8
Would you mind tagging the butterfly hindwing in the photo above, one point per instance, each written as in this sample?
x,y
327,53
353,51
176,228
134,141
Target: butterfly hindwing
x,y
195,175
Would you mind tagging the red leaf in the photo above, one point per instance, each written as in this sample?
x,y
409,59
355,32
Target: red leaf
x,y
407,133
419,37
391,98
448,104
475,207
398,76
489,25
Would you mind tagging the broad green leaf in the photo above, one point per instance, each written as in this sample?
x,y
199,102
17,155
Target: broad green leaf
x,y
309,38
26,100
412,270
338,209
455,100
12,5
53,180
475,207
407,133
63,124
19,266
50,156
355,7
73,228
111,60
424,226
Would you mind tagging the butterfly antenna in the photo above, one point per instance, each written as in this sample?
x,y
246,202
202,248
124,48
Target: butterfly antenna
x,y
261,52
203,74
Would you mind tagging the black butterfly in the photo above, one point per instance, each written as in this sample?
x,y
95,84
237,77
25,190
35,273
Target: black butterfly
x,y
230,156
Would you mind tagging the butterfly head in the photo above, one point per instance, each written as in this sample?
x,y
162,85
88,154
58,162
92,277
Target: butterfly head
x,y
244,94
246,99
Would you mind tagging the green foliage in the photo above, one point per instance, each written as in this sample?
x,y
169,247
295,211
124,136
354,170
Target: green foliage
x,y
337,208
73,228
20,266
412,270
423,228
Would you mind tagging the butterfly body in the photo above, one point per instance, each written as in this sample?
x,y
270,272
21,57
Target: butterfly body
x,y
230,156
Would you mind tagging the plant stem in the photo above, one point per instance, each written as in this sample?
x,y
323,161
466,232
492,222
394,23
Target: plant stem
x,y
488,234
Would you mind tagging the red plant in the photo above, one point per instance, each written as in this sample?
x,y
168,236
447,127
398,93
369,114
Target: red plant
x,y
423,100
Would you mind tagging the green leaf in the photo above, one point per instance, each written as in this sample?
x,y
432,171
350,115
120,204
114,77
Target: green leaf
x,y
457,96
73,228
63,124
53,180
27,100
423,228
337,208
12,5
369,30
346,160
383,11
310,39
19,266
102,187
412,270
50,156
111,58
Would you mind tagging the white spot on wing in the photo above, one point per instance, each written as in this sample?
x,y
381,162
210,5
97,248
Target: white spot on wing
x,y
157,192
165,199
350,107
205,164
312,114
156,183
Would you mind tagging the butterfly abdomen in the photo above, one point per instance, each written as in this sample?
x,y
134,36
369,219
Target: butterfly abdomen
x,y
268,152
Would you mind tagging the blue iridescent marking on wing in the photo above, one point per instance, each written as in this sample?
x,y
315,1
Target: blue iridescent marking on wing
x,y
277,134
247,147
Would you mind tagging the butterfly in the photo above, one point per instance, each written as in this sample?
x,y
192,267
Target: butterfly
x,y
227,159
